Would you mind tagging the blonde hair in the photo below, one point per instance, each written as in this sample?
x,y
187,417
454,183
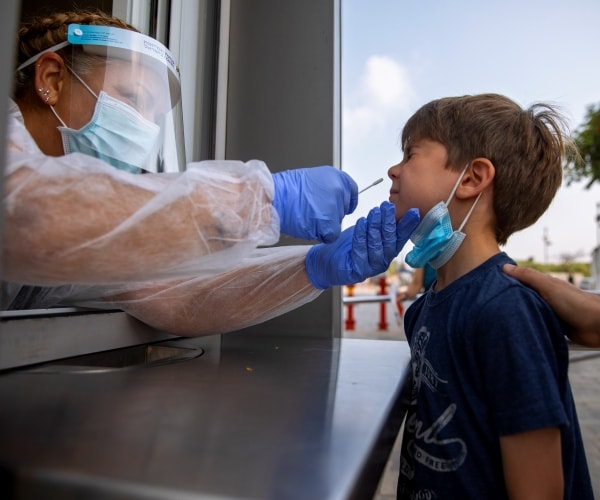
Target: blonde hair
x,y
42,32
528,148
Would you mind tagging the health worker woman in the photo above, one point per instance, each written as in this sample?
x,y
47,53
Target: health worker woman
x,y
100,210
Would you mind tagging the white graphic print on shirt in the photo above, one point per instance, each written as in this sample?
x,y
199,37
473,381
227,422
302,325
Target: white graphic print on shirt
x,y
425,445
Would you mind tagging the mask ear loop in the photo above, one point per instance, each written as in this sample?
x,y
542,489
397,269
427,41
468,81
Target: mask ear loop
x,y
82,83
452,195
456,184
470,212
58,117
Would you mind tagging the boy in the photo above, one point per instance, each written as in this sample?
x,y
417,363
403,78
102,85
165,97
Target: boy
x,y
491,414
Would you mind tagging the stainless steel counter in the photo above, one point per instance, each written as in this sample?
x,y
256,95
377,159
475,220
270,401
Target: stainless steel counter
x,y
264,417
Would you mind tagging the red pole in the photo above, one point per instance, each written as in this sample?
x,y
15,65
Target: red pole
x,y
350,323
383,324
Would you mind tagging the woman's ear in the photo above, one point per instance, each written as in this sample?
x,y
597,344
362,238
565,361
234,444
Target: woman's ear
x,y
477,178
50,73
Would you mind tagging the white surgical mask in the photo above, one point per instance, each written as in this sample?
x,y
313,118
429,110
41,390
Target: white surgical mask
x,y
435,240
117,134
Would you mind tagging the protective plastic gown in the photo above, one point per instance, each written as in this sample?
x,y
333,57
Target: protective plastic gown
x,y
179,252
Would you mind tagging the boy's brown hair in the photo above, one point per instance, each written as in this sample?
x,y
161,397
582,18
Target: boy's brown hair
x,y
527,147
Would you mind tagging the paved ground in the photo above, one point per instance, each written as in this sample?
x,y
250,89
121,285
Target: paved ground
x,y
584,374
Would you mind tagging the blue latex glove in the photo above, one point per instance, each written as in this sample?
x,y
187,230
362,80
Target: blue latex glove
x,y
364,250
311,202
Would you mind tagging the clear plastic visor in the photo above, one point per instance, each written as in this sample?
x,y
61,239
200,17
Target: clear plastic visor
x,y
141,73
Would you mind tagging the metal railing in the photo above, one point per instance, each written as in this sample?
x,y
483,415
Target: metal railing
x,y
390,297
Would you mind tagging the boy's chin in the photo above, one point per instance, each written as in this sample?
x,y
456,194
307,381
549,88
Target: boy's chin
x,y
400,211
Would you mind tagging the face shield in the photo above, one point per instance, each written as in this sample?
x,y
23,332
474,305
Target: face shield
x,y
125,100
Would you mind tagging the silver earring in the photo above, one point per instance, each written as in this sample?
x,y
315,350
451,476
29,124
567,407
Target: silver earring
x,y
45,93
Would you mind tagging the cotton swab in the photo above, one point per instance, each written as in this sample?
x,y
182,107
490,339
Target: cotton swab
x,y
371,185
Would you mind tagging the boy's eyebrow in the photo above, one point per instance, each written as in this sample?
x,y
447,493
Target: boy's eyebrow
x,y
418,142
411,144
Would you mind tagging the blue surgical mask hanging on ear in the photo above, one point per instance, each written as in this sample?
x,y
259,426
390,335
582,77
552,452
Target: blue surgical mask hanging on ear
x,y
117,134
434,239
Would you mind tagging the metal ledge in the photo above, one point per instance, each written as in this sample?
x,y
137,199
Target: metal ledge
x,y
39,336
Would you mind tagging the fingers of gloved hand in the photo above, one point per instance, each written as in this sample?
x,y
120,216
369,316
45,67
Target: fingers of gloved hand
x,y
405,227
352,189
375,257
339,186
355,256
329,264
311,202
315,266
381,244
359,253
337,193
388,231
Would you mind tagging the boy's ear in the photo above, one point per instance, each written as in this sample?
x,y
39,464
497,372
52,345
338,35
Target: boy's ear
x,y
50,72
477,178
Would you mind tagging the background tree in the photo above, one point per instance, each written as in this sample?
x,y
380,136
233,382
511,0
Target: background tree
x,y
587,138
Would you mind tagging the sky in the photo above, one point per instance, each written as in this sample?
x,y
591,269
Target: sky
x,y
398,55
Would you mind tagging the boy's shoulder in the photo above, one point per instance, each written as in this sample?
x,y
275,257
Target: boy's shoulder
x,y
505,304
488,279
491,288
485,282
486,306
483,290
485,293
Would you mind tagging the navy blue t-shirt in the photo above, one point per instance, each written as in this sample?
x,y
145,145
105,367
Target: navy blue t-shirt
x,y
489,359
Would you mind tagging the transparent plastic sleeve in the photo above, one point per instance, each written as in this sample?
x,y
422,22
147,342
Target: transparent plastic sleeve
x,y
178,251
73,219
265,284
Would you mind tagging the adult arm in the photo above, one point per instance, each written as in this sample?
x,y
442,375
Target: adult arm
x,y
73,219
533,465
578,308
270,282
265,284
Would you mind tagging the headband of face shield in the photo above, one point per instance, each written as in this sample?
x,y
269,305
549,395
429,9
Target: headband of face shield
x,y
137,122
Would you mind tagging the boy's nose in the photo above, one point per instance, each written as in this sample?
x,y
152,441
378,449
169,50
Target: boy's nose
x,y
393,171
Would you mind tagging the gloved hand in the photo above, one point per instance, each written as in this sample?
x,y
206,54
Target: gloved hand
x,y
311,202
362,251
